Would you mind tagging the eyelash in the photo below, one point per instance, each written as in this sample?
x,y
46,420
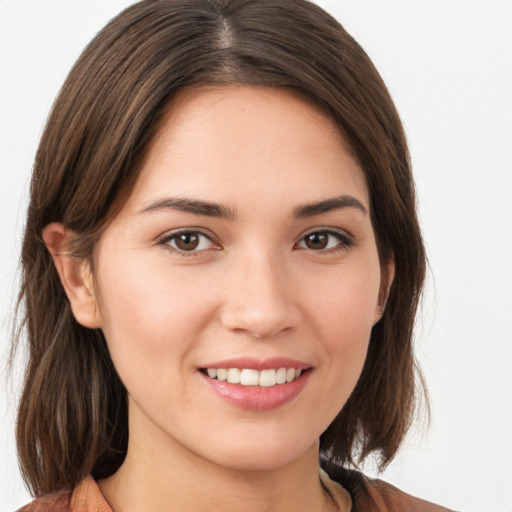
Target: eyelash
x,y
345,242
167,240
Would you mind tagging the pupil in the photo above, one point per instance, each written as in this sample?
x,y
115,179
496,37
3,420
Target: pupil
x,y
187,241
317,241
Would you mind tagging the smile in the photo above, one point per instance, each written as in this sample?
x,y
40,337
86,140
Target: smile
x,y
256,390
251,377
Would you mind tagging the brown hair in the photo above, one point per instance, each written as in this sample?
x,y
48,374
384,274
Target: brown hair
x,y
73,411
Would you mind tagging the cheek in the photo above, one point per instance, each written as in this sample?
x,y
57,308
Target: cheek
x,y
150,318
344,317
347,303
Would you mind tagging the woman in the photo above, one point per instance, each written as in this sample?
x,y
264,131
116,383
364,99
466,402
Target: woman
x,y
221,269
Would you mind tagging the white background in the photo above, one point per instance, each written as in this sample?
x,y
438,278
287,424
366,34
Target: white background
x,y
448,64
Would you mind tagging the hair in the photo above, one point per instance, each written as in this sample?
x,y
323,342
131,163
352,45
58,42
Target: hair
x,y
73,417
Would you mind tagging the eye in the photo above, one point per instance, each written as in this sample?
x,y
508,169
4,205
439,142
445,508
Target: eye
x,y
188,242
324,240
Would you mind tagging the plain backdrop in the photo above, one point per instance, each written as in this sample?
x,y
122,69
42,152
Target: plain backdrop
x,y
448,65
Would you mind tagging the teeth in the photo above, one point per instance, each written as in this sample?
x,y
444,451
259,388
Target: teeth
x,y
281,376
233,376
267,378
250,377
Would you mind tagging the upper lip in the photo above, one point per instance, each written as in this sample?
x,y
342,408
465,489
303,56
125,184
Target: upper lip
x,y
259,363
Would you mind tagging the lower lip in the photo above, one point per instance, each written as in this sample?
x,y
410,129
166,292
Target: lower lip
x,y
256,398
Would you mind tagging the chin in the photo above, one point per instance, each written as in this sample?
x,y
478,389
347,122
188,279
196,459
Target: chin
x,y
266,455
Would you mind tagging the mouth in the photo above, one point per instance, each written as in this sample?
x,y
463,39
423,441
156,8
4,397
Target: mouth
x,y
257,384
251,377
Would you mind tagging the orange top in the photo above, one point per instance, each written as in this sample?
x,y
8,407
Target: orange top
x,y
364,495
86,497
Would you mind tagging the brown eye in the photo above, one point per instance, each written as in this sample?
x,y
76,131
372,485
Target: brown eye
x,y
316,241
189,241
325,240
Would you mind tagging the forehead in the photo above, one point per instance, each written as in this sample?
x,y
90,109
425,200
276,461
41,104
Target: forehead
x,y
235,142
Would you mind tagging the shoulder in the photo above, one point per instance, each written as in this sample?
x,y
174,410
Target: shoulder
x,y
373,495
396,500
86,497
58,502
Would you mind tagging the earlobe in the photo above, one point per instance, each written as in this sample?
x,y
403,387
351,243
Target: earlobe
x,y
75,275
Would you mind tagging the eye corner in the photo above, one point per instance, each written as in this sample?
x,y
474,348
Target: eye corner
x,y
325,240
193,242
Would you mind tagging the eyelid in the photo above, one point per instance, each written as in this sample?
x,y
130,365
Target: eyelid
x,y
163,240
345,239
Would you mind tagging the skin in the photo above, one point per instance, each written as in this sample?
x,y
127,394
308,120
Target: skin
x,y
252,288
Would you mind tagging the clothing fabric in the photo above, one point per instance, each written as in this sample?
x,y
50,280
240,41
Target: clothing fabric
x,y
365,495
373,495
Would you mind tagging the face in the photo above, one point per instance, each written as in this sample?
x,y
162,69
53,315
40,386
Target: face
x,y
238,286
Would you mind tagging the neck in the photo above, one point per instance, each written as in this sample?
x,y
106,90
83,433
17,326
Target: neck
x,y
163,476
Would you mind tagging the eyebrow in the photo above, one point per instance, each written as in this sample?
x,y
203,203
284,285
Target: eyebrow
x,y
194,206
208,209
327,205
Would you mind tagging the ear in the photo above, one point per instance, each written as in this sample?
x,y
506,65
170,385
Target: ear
x,y
75,275
387,277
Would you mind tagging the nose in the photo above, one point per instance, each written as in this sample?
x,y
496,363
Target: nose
x,y
259,299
